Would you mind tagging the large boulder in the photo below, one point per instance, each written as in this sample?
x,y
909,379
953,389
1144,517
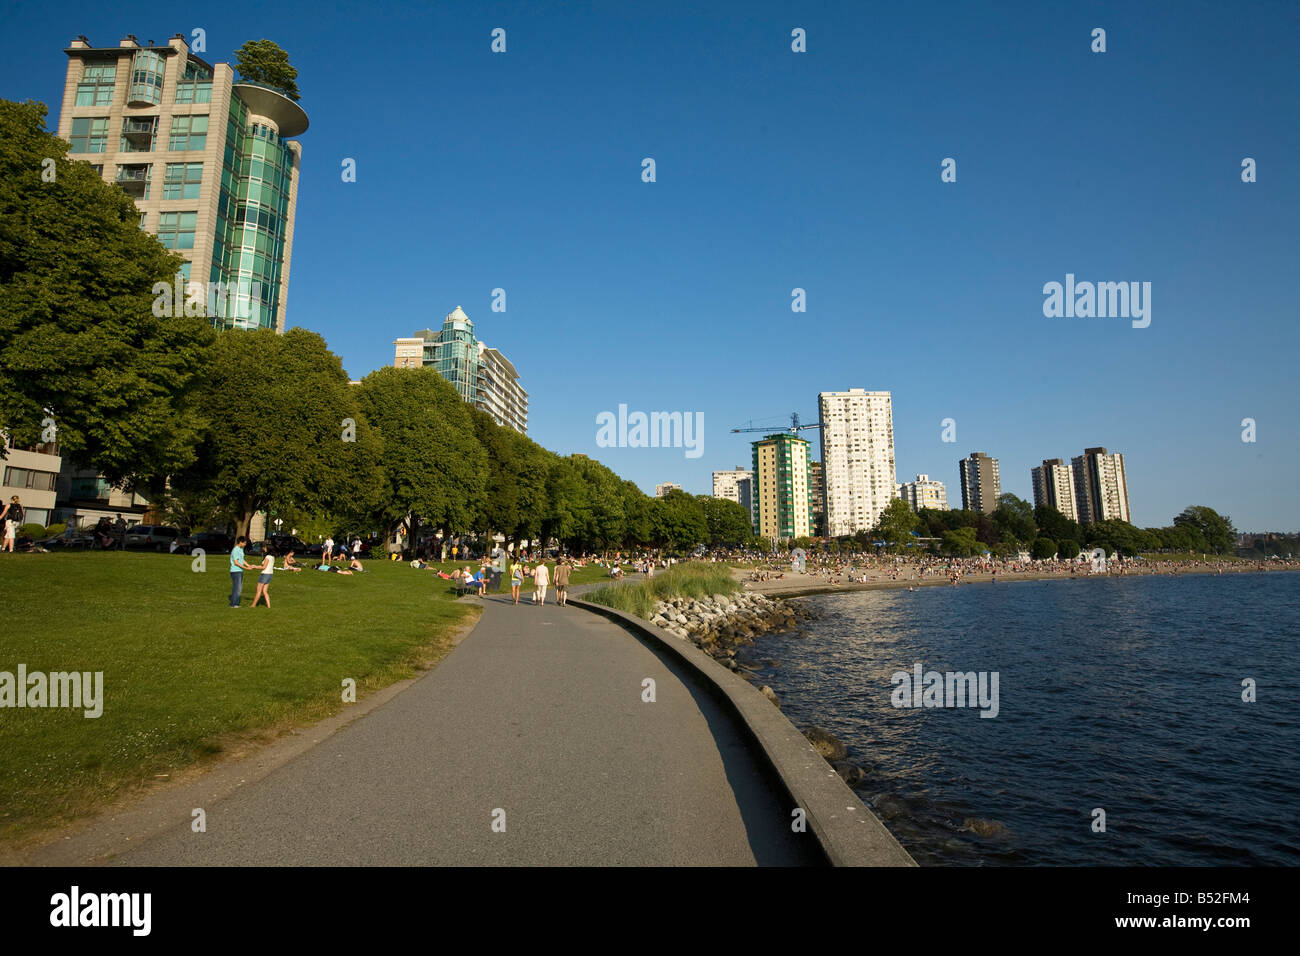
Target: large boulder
x,y
826,743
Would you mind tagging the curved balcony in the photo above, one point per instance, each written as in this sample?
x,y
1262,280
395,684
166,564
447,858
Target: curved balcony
x,y
289,118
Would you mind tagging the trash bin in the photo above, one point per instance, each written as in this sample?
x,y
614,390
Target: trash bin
x,y
494,579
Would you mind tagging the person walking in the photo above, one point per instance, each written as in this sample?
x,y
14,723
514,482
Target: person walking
x,y
516,579
12,516
562,582
264,581
237,568
541,578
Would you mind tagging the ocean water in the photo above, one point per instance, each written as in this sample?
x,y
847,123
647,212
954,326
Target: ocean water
x,y
1123,695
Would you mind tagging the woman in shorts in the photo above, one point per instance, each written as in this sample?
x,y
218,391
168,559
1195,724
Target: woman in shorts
x,y
12,516
264,581
516,579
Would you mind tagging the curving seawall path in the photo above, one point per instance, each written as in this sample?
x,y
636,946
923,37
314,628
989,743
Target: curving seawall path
x,y
846,830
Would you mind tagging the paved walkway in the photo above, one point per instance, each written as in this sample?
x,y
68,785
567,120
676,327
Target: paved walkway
x,y
538,712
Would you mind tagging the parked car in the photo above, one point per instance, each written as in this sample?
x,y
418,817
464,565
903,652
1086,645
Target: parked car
x,y
284,543
212,542
76,541
151,537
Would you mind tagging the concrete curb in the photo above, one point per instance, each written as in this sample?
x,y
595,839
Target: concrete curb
x,y
846,829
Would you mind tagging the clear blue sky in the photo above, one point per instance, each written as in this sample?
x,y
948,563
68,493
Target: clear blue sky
x,y
819,170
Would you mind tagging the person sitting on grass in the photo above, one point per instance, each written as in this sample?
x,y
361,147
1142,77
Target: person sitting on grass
x,y
289,564
355,565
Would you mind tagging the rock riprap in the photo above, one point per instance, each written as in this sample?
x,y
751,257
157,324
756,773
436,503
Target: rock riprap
x,y
720,623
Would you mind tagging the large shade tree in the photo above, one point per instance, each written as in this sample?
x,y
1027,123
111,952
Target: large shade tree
x,y
434,466
286,432
80,346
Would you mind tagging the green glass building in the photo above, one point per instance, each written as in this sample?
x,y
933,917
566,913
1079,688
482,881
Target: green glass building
x,y
211,162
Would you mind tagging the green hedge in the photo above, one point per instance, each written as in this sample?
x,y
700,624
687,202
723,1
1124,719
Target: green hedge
x,y
52,529
32,530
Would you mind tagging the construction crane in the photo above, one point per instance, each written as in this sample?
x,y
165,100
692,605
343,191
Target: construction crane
x,y
794,429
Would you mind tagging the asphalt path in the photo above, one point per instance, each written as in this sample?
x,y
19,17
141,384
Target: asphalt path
x,y
530,744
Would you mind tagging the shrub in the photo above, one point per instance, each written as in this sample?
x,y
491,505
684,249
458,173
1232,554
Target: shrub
x,y
32,530
52,529
1068,549
1044,548
680,581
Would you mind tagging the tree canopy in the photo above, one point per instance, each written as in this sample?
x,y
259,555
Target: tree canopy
x,y
79,342
263,61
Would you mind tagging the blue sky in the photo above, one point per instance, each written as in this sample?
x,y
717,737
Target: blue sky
x,y
821,171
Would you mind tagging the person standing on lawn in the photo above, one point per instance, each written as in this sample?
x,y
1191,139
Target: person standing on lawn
x,y
12,518
237,568
264,581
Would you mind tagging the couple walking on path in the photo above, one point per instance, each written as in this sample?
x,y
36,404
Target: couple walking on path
x,y
541,581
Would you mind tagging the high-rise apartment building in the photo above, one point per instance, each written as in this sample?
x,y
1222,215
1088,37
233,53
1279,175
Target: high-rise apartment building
x,y
782,508
817,496
857,429
483,376
664,487
924,493
1100,486
1054,487
210,161
737,486
981,483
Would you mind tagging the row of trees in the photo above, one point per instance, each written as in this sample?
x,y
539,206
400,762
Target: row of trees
x,y
216,428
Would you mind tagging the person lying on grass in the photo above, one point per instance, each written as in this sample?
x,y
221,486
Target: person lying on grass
x,y
333,570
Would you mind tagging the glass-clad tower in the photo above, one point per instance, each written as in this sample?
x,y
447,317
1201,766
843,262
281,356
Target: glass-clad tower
x,y
211,163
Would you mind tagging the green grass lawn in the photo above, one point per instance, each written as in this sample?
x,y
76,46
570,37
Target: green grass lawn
x,y
182,670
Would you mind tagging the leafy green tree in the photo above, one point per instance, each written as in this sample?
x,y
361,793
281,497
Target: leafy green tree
x,y
678,521
278,405
263,61
962,543
79,342
1044,548
896,524
1054,525
1014,518
728,522
433,468
1114,535
1215,528
1068,549
638,528
568,512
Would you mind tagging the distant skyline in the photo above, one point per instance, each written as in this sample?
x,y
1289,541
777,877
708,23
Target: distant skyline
x,y
820,171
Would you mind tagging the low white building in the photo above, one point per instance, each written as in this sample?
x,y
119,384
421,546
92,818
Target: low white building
x,y
924,493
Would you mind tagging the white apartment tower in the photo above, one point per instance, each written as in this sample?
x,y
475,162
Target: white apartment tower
x,y
1054,487
1100,486
924,493
737,486
857,458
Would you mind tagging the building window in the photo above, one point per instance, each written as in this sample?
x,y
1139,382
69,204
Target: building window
x,y
189,132
138,134
147,69
29,479
195,86
89,134
143,217
176,229
96,86
184,272
182,181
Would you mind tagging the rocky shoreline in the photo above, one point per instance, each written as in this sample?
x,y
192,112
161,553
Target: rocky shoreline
x,y
721,623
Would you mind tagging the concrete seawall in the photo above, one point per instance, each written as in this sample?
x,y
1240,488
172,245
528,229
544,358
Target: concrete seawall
x,y
848,833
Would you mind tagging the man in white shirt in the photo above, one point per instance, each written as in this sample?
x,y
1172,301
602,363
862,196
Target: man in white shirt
x,y
328,551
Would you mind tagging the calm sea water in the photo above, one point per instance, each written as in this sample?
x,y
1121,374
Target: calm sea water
x,y
1120,694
